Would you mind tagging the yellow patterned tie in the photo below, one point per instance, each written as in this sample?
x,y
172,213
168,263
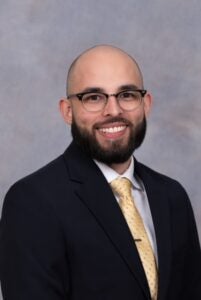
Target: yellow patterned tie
x,y
122,187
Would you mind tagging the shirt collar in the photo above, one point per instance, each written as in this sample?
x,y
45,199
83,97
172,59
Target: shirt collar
x,y
111,174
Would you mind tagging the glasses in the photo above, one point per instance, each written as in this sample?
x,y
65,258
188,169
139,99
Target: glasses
x,y
96,101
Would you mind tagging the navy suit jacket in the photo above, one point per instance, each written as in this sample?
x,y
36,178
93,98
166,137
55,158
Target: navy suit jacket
x,y
63,236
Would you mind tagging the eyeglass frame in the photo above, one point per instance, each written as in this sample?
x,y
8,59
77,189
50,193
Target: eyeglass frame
x,y
81,95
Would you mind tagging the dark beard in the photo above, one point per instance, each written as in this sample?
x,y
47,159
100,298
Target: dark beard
x,y
117,153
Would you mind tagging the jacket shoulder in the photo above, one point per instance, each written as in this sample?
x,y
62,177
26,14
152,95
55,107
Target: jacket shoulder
x,y
42,179
158,178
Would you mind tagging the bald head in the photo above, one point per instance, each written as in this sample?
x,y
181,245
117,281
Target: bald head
x,y
100,60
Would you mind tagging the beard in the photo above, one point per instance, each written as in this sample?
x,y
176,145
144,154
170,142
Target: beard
x,y
118,152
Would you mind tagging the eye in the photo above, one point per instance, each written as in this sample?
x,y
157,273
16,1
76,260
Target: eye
x,y
129,95
93,97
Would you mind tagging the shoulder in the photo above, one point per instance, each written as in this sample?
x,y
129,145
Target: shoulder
x,y
46,174
147,171
162,181
39,185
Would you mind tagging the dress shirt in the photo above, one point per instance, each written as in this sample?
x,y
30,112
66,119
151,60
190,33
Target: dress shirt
x,y
138,193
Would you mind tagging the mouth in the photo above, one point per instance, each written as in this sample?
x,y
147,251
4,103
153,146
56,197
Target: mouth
x,y
112,131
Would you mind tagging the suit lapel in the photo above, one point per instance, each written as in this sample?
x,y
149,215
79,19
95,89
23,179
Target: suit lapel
x,y
92,188
158,200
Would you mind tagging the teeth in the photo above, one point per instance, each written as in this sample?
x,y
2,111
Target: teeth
x,y
113,129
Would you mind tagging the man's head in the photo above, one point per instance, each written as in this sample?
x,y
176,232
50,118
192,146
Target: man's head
x,y
102,50
111,131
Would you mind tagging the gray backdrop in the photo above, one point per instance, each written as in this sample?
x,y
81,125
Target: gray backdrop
x,y
39,39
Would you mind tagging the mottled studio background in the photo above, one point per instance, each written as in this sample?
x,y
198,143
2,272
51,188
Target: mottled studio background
x,y
39,39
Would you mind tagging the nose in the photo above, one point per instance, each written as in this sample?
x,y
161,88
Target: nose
x,y
112,107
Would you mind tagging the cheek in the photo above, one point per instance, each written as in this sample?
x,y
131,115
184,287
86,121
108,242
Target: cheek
x,y
84,119
136,116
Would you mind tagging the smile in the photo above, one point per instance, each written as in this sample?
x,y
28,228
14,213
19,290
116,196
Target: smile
x,y
112,129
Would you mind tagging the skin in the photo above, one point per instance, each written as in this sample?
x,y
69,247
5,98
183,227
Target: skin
x,y
109,69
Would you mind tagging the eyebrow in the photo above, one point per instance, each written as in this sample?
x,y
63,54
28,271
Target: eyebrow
x,y
128,87
93,90
101,90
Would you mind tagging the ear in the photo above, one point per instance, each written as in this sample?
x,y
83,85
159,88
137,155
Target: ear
x,y
147,104
66,110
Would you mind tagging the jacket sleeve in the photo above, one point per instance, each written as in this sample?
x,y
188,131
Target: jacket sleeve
x,y
33,263
192,272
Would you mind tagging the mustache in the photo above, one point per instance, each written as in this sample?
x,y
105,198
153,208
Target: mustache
x,y
113,120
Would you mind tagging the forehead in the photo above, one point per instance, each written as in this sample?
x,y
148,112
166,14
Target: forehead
x,y
104,68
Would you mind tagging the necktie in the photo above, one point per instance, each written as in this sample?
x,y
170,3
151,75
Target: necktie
x,y
122,187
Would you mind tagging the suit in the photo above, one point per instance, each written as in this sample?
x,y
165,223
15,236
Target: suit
x,y
63,236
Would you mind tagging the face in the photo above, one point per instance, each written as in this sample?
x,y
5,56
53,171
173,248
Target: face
x,y
112,134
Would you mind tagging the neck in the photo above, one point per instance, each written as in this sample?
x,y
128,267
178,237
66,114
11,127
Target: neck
x,y
122,167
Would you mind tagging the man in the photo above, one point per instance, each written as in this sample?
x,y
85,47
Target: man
x,y
65,232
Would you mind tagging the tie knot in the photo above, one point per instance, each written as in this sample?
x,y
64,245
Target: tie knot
x,y
121,186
